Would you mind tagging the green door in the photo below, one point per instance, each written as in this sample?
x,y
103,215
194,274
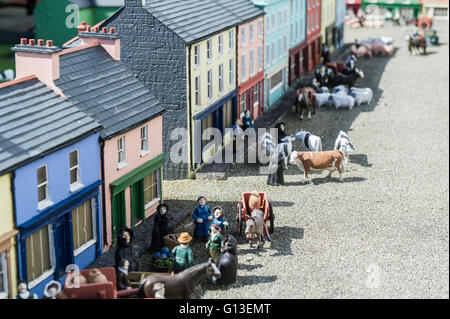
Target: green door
x,y
119,213
137,202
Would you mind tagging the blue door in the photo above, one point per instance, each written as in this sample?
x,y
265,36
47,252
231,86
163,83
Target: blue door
x,y
62,231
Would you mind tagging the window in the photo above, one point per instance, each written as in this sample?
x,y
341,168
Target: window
x,y
121,151
267,23
209,50
151,188
197,56
273,22
280,18
228,115
285,18
244,102
280,46
210,85
267,54
221,45
243,68
231,73
144,140
231,40
256,94
276,80
296,30
3,276
243,39
317,20
252,32
221,78
83,227
292,32
285,47
251,62
260,58
260,29
74,170
197,91
208,122
273,52
42,185
39,256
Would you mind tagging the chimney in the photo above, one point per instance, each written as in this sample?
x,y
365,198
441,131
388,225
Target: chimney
x,y
107,37
40,59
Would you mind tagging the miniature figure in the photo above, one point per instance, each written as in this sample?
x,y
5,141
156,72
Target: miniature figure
x,y
325,53
23,293
52,290
247,121
122,280
180,285
202,218
126,249
322,75
215,242
228,262
162,226
219,219
276,177
280,129
238,133
255,228
183,255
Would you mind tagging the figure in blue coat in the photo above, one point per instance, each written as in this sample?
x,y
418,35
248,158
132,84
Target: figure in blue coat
x,y
202,216
219,219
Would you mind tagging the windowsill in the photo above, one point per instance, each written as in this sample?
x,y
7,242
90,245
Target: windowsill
x,y
153,202
121,165
209,61
197,107
78,251
75,186
44,204
41,278
276,87
196,67
143,153
3,295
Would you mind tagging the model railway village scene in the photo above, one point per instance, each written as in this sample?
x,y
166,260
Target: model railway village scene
x,y
224,149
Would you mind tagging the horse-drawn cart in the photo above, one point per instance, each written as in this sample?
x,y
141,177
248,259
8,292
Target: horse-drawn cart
x,y
244,212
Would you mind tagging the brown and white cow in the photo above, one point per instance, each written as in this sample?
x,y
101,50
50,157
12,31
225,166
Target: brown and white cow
x,y
326,160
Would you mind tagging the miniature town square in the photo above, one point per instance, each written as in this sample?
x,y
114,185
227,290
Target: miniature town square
x,y
224,149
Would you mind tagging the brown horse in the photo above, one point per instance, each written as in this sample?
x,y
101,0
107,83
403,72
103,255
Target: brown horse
x,y
414,44
306,101
181,285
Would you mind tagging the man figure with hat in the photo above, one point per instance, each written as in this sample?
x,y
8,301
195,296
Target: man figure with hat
x,y
22,288
183,255
215,242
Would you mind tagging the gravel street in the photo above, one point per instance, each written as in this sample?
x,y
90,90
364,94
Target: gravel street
x,y
381,233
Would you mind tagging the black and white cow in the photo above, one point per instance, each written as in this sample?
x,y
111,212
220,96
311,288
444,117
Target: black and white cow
x,y
343,144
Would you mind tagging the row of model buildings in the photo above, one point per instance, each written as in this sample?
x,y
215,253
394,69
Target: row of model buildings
x,y
85,129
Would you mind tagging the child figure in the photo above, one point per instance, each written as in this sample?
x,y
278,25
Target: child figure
x,y
215,243
202,218
219,219
183,254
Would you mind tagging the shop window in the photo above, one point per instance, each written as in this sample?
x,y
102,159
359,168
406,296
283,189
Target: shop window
x,y
228,115
151,188
276,80
83,227
208,122
40,262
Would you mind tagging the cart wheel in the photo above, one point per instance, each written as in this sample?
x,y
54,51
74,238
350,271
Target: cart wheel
x,y
271,219
239,218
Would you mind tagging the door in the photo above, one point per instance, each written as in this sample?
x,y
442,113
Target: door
x,y
118,213
63,244
137,202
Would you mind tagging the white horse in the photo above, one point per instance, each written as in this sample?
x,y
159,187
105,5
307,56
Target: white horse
x,y
310,142
343,144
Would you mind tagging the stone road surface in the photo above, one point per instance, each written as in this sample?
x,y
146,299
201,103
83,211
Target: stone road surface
x,y
383,232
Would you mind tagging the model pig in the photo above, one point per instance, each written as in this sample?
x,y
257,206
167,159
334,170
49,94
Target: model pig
x,y
361,51
381,48
254,228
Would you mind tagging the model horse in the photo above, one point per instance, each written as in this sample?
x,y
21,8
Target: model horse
x,y
415,44
181,285
305,101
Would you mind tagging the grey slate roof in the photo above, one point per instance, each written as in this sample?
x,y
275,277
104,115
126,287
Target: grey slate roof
x,y
34,121
97,3
106,90
193,20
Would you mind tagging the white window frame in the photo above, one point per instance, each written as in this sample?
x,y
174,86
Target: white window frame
x,y
3,261
268,29
221,88
243,36
273,52
158,191
209,51
268,54
49,272
144,139
220,44
77,185
197,60
260,29
243,67
252,32
273,22
91,242
251,63
231,73
231,40
256,94
46,202
210,84
197,91
123,163
260,58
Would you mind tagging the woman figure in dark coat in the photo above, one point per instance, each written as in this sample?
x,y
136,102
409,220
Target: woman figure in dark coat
x,y
162,226
126,249
228,262
280,129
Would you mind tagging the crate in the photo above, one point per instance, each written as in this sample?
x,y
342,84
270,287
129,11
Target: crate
x,y
171,241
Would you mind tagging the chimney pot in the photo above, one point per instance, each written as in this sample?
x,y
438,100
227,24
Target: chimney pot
x,y
49,43
88,29
23,41
96,29
112,30
41,42
83,23
105,30
32,42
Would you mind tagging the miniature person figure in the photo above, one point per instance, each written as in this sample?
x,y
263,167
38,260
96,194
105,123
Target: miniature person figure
x,y
122,280
325,53
52,290
322,75
219,219
280,130
228,262
23,293
276,177
184,258
202,218
126,249
215,242
162,226
238,133
247,120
